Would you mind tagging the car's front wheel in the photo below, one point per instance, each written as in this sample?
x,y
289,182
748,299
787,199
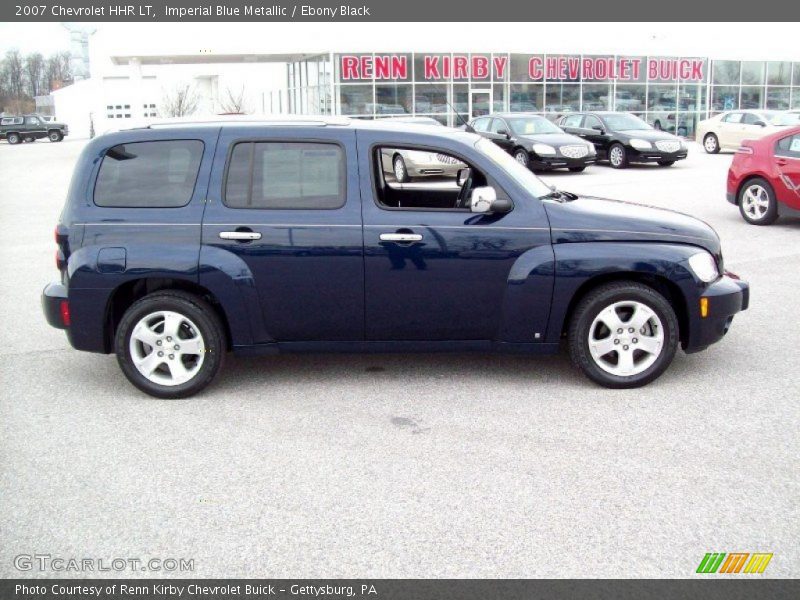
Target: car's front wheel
x,y
170,344
711,143
618,156
522,157
623,334
400,170
757,202
55,136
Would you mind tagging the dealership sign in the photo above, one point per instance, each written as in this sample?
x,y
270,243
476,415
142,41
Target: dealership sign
x,y
439,67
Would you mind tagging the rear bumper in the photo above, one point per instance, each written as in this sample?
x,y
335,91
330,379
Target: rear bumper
x,y
53,298
726,297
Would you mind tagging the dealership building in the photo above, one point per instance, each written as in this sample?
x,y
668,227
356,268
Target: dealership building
x,y
672,91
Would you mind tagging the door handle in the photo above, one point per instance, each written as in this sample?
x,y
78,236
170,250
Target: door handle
x,y
782,162
401,237
240,236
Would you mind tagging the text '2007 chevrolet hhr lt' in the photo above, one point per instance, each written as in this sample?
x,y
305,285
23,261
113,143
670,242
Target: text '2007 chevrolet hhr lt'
x,y
178,244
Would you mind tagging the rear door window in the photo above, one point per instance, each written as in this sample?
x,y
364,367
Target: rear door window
x,y
159,174
286,175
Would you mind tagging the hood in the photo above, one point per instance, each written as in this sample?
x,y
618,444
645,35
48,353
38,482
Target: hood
x,y
590,219
650,135
552,139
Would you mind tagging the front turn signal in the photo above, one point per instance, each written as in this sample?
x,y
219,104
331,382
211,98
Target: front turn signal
x,y
704,307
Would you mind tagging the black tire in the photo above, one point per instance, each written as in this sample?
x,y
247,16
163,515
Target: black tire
x,y
577,169
711,143
522,157
193,308
400,169
771,214
622,161
14,138
666,163
601,298
55,136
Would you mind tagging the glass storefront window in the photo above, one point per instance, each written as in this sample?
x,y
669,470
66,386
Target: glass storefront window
x,y
796,97
518,65
499,97
692,97
779,73
562,98
752,73
355,99
461,99
724,98
526,97
431,99
662,98
393,99
751,97
630,98
726,72
636,69
596,96
778,98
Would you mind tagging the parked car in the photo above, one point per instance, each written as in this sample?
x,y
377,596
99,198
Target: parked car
x,y
623,138
409,165
178,244
535,142
726,131
29,128
764,177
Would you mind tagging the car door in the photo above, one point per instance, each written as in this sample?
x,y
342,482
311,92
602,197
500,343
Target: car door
x,y
34,127
787,161
571,124
284,217
499,133
442,273
752,127
730,130
594,130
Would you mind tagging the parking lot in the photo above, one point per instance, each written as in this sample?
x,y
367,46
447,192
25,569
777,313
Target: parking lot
x,y
447,465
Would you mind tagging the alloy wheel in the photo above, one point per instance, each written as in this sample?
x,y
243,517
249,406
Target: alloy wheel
x,y
167,348
626,338
710,143
755,202
616,156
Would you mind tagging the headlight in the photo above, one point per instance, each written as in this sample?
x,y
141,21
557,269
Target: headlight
x,y
704,266
420,157
641,144
544,150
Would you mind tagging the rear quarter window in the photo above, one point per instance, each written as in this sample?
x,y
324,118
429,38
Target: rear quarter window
x,y
160,174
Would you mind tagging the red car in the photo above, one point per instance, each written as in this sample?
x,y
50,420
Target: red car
x,y
764,178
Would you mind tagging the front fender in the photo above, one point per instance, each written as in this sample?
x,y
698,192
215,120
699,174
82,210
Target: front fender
x,y
579,265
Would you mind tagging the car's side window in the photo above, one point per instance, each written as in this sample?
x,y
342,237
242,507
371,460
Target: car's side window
x,y
481,124
751,119
498,125
788,146
31,121
408,178
733,118
592,122
285,175
159,174
11,121
571,121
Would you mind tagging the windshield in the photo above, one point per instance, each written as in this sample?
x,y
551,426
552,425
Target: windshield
x,y
531,125
785,119
625,122
516,171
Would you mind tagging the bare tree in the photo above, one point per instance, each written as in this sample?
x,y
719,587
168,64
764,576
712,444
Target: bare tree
x,y
34,70
181,101
57,71
233,102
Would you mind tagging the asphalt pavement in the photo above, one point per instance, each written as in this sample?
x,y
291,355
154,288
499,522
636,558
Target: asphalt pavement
x,y
445,465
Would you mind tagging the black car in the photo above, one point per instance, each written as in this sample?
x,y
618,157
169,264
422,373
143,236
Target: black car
x,y
536,142
623,138
29,128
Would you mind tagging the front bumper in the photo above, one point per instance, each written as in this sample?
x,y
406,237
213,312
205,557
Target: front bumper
x,y
434,169
54,297
646,156
726,297
559,162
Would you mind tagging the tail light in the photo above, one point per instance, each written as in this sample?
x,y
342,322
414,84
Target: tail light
x,y
64,310
744,150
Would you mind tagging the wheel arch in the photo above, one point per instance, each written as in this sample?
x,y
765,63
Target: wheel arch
x,y
748,179
124,295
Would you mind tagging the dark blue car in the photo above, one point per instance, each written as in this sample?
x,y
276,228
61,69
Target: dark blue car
x,y
178,244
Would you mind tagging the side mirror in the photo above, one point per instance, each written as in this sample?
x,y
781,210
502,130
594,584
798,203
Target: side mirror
x,y
598,128
760,123
502,131
484,200
462,175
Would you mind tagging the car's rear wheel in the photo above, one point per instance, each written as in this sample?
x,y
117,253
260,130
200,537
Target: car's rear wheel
x,y
757,202
400,170
666,163
522,157
13,138
170,344
618,156
55,136
577,169
711,143
623,335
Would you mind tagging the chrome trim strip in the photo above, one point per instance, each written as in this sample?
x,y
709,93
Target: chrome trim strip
x,y
690,237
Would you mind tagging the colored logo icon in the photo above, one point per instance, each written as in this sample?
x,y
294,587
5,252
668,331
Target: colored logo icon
x,y
736,562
